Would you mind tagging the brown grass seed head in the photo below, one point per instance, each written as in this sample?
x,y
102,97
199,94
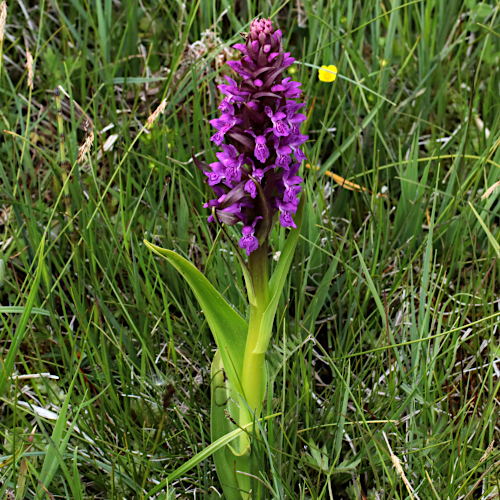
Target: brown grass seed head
x,y
3,19
29,64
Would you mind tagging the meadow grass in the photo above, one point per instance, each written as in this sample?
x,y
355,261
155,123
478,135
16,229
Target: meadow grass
x,y
383,365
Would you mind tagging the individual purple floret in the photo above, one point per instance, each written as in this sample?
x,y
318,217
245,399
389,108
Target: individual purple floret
x,y
261,151
291,183
249,242
255,178
280,127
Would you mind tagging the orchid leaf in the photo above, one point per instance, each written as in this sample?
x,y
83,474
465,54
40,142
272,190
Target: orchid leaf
x,y
278,278
237,453
228,327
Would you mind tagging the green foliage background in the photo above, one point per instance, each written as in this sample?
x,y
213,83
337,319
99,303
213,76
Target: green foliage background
x,y
387,333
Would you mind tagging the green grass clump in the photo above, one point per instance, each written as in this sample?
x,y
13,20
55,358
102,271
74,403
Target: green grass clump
x,y
386,337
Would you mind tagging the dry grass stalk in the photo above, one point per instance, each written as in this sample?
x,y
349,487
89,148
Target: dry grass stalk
x,y
29,64
209,42
85,148
3,19
487,452
399,469
301,15
490,190
401,472
157,112
9,494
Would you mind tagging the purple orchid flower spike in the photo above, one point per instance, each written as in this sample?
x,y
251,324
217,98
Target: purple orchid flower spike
x,y
258,127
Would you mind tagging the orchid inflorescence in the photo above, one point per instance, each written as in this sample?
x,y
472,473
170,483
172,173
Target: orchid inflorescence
x,y
255,176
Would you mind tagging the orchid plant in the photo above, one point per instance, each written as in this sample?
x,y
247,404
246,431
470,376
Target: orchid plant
x,y
256,183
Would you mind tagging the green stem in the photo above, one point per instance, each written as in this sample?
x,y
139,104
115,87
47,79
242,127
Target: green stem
x,y
253,362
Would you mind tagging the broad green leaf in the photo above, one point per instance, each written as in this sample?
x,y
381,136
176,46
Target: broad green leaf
x,y
228,327
277,281
220,426
8,364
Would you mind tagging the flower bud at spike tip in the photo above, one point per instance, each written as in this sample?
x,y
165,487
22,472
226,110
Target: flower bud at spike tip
x,y
255,177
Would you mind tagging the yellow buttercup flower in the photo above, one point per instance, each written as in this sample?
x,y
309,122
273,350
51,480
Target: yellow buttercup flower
x,y
329,75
